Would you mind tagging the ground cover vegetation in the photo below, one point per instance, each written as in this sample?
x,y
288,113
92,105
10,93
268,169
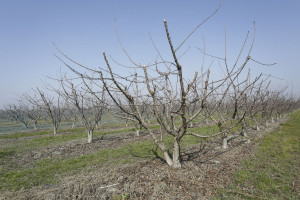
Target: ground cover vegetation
x,y
160,117
273,170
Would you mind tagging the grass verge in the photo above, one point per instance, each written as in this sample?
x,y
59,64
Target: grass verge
x,y
274,171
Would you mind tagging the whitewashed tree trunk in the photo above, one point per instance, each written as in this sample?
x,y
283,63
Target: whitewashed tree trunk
x,y
138,128
35,125
137,132
90,136
243,132
257,127
73,125
225,143
55,130
176,154
167,158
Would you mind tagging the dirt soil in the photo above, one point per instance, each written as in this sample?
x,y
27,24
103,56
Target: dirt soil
x,y
205,168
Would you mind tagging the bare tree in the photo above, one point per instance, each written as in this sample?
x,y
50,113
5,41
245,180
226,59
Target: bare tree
x,y
54,107
17,113
71,114
33,112
168,94
89,107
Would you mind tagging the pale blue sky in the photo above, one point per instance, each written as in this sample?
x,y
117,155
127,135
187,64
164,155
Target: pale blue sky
x,y
84,28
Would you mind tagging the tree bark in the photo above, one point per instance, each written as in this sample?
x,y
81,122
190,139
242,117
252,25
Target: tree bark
x,y
90,136
137,132
138,128
243,132
168,159
73,125
35,125
176,154
257,127
225,143
55,130
25,125
97,125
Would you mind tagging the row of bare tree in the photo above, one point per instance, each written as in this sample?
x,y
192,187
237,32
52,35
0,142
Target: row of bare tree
x,y
160,93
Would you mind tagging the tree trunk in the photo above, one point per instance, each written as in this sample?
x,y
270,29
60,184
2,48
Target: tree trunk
x,y
176,154
55,130
138,128
225,143
272,120
257,127
90,136
35,125
25,125
167,158
243,132
137,132
73,125
267,123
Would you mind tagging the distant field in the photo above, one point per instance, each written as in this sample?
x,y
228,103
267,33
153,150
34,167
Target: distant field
x,y
10,127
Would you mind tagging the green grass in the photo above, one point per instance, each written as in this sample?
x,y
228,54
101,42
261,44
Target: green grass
x,y
47,171
20,135
5,156
274,171
64,136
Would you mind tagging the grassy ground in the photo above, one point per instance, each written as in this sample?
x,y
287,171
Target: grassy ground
x,y
48,171
274,171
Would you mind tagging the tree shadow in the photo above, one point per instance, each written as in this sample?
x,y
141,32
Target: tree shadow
x,y
207,153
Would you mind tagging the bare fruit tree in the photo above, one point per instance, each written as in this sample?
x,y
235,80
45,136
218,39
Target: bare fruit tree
x,y
17,113
162,90
33,112
88,104
53,106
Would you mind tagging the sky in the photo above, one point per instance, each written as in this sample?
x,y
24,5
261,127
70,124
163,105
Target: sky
x,y
84,28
